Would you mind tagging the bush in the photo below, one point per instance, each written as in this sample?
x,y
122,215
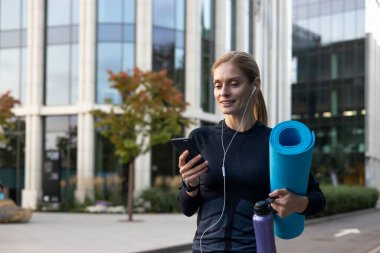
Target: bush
x,y
339,199
160,200
344,198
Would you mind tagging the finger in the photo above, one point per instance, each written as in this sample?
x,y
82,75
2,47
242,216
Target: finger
x,y
196,159
185,166
182,158
187,173
281,210
278,192
196,175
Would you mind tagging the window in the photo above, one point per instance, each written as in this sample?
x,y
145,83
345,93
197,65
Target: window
x,y
115,45
169,39
13,24
61,76
208,54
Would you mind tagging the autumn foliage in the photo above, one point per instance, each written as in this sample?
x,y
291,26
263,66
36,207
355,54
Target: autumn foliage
x,y
7,102
150,113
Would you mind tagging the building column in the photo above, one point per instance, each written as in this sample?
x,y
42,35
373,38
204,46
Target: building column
x,y
372,118
144,29
220,28
31,194
241,31
144,48
86,101
193,61
273,55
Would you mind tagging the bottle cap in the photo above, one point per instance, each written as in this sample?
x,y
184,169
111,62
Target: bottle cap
x,y
262,208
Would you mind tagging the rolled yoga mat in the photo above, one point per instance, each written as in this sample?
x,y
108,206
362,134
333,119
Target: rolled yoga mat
x,y
291,150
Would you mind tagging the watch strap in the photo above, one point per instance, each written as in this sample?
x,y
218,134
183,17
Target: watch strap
x,y
188,187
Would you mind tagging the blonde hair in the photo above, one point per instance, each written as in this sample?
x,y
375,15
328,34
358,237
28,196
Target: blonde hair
x,y
247,64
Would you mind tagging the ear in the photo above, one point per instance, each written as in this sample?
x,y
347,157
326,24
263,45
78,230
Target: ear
x,y
257,83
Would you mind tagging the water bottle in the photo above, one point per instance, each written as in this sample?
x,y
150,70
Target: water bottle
x,y
263,226
2,196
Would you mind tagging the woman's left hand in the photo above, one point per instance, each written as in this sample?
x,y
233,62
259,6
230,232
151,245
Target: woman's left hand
x,y
286,202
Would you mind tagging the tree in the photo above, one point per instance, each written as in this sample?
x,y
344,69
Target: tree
x,y
150,113
7,102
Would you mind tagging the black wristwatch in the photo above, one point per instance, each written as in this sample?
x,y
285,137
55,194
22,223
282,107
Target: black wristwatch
x,y
188,187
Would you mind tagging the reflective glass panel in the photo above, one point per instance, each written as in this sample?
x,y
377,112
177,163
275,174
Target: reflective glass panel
x,y
61,135
10,39
10,71
360,19
25,13
110,11
24,38
57,75
337,6
129,11
24,88
180,39
325,8
164,37
58,12
207,57
337,27
349,25
75,11
10,14
206,14
325,22
109,58
349,5
74,73
128,57
180,12
110,32
129,33
116,36
164,13
59,35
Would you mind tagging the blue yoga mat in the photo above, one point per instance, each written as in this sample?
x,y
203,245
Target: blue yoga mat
x,y
291,150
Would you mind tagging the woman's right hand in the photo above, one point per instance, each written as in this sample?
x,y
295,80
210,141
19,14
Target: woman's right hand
x,y
189,173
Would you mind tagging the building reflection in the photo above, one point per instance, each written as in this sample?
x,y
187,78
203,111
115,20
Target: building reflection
x,y
328,86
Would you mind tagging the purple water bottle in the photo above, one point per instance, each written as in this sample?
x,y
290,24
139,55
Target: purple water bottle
x,y
263,226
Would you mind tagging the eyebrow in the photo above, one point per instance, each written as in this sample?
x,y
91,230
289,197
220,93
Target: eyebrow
x,y
234,78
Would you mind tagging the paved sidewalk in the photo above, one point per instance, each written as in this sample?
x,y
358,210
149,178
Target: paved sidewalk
x,y
97,233
111,233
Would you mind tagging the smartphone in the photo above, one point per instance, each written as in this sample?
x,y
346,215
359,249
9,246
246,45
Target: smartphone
x,y
182,144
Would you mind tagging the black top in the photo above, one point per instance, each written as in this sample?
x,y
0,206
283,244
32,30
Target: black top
x,y
247,181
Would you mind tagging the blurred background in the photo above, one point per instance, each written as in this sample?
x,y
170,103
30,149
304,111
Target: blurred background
x,y
319,62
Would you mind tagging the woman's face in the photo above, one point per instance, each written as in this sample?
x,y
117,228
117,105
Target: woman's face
x,y
231,89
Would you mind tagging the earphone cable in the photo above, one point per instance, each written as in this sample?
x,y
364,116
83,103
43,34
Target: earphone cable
x,y
225,150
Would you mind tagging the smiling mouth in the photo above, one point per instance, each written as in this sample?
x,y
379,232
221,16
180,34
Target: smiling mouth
x,y
226,103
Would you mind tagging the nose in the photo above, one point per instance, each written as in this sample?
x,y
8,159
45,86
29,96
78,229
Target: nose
x,y
224,91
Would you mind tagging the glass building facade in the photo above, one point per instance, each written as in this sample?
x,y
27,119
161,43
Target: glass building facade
x,y
13,59
168,53
115,44
61,74
57,64
207,54
328,84
13,47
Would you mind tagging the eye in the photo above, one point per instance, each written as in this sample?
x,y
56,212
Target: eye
x,y
234,83
217,85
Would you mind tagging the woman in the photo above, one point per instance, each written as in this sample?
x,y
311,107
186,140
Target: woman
x,y
235,174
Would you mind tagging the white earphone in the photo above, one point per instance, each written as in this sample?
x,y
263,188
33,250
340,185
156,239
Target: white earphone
x,y
223,168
